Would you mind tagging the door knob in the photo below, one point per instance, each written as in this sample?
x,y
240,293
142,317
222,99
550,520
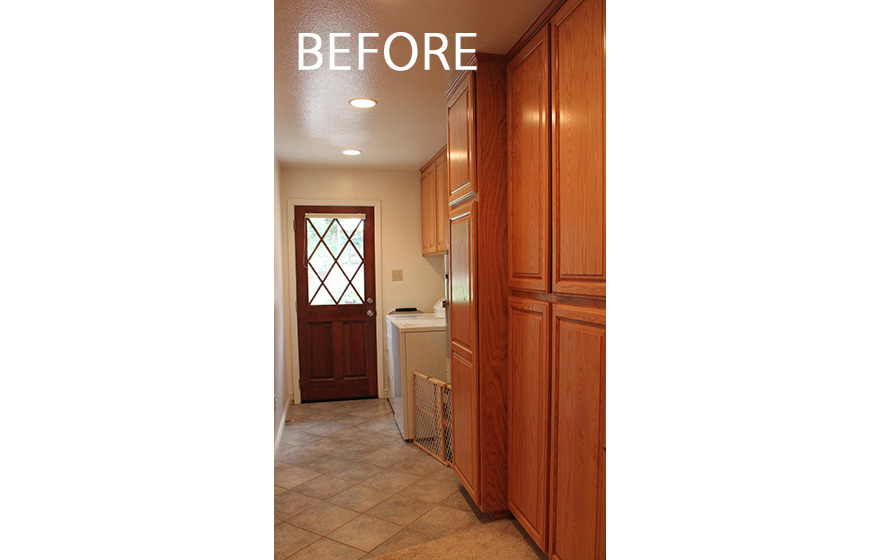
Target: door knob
x,y
370,313
369,300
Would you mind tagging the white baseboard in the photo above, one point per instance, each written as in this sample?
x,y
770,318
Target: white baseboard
x,y
281,428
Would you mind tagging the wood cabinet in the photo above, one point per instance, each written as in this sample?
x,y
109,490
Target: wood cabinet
x,y
429,211
528,108
577,433
529,415
460,139
435,211
442,176
477,149
556,202
577,37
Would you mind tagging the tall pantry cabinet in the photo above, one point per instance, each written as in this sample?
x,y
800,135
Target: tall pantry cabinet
x,y
556,220
477,197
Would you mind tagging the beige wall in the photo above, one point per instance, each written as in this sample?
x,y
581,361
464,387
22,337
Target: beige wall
x,y
401,245
281,386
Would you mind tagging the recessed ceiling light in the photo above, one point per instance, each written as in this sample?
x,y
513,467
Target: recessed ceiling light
x,y
351,152
363,102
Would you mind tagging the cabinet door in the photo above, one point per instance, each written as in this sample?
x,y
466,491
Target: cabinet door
x,y
578,89
577,432
460,140
529,416
429,211
463,333
528,110
442,203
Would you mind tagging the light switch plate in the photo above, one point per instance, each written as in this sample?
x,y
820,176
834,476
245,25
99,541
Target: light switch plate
x,y
396,275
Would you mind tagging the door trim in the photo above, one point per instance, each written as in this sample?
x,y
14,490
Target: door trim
x,y
292,341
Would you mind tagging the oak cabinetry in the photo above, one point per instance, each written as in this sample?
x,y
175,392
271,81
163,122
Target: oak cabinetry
x,y
435,211
529,419
556,132
577,33
442,176
460,139
429,211
528,108
476,159
577,433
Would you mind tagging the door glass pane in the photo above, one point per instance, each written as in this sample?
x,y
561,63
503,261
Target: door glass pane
x,y
335,248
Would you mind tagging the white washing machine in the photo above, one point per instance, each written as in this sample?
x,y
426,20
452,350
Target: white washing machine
x,y
415,342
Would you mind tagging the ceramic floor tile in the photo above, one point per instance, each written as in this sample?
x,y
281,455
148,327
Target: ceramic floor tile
x,y
417,465
430,490
327,464
291,503
359,498
325,549
322,518
400,510
385,457
294,455
280,490
403,539
365,533
442,521
391,481
459,501
324,486
290,539
288,476
358,471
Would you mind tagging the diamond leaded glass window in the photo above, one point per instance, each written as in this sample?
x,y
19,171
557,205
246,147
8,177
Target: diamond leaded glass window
x,y
335,249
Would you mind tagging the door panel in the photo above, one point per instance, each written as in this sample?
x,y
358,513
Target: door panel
x,y
529,415
578,384
429,212
442,203
465,426
460,140
462,279
335,293
578,47
528,102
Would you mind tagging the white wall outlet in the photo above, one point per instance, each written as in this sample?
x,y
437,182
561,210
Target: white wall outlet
x,y
396,275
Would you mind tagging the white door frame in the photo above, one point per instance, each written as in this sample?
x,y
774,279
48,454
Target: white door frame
x,y
290,281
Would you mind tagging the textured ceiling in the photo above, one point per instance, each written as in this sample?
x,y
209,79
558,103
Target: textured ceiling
x,y
313,120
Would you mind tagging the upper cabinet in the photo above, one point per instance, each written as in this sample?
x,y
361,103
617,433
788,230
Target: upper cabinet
x,y
441,198
577,44
435,211
429,211
460,138
528,113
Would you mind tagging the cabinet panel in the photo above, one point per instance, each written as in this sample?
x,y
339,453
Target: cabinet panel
x,y
460,140
528,105
465,424
578,89
429,211
529,415
462,279
577,432
442,203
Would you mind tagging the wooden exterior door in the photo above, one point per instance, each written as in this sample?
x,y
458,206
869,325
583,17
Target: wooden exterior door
x,y
335,294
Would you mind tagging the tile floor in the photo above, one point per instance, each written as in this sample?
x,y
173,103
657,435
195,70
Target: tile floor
x,y
348,487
